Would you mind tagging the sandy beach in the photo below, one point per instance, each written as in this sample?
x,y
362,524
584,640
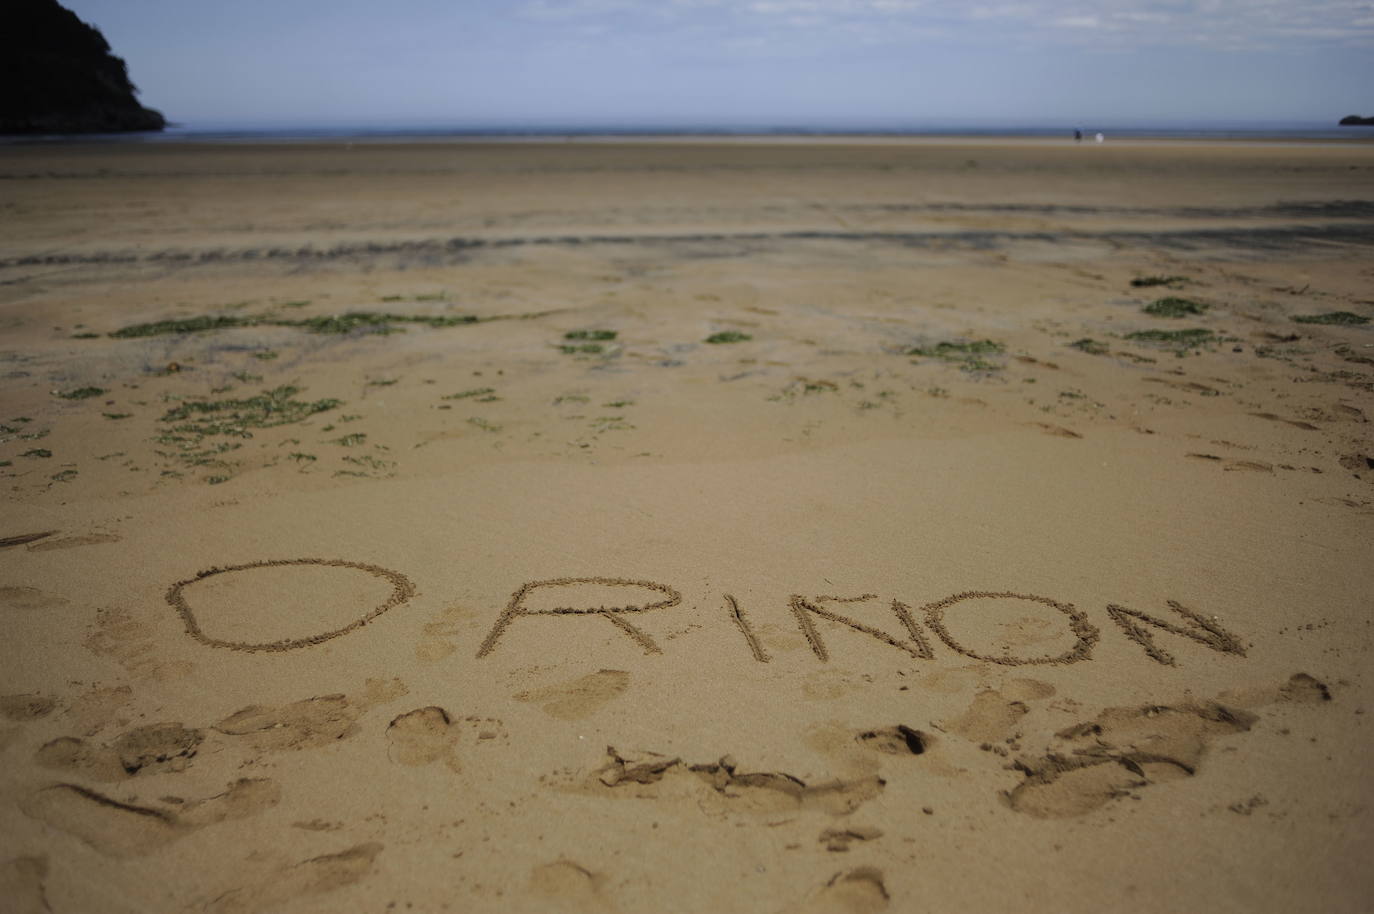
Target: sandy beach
x,y
686,526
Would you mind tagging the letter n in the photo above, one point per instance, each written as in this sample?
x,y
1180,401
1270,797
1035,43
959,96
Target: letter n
x,y
1196,628
918,647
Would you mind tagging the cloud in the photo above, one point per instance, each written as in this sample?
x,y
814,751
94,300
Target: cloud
x,y
1139,23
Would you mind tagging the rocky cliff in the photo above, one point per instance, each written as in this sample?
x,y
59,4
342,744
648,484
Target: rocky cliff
x,y
57,75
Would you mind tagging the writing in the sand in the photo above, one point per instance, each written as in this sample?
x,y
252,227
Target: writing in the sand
x,y
622,601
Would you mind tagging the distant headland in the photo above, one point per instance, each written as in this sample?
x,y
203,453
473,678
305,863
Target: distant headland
x,y
1354,120
58,75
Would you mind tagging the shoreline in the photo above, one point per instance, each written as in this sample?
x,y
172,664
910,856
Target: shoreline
x,y
325,138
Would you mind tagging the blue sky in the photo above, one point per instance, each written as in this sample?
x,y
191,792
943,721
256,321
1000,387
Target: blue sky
x,y
762,62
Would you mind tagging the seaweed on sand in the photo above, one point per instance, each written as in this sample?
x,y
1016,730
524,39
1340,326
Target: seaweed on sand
x,y
192,422
1090,346
1338,318
969,355
80,393
1173,306
348,322
1145,282
233,416
1181,341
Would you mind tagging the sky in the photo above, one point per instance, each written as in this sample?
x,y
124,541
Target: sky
x,y
771,63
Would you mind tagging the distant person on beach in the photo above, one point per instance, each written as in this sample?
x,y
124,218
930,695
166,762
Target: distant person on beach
x,y
1099,138
1078,136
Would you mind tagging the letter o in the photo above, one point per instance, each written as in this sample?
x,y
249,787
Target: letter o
x,y
402,590
1086,633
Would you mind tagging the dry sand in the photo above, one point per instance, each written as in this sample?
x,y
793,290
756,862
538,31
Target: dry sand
x,y
831,618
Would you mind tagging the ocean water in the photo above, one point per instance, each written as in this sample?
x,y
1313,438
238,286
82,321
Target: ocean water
x,y
212,132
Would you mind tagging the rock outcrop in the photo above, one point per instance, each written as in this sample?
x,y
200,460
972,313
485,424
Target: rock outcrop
x,y
57,75
1354,120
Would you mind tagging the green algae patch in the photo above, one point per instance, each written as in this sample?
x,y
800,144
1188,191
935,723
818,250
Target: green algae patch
x,y
728,336
1173,306
484,394
968,355
203,432
349,322
238,417
80,393
182,325
373,321
1090,346
954,351
1337,318
1180,341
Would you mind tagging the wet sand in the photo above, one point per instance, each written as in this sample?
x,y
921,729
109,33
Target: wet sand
x,y
686,526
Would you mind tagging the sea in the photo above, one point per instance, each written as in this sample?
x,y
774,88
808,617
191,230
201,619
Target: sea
x,y
239,132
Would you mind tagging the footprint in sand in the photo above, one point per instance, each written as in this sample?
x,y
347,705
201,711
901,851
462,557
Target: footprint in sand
x,y
1026,690
439,635
28,598
97,708
26,707
1120,750
306,879
21,885
1300,688
898,740
732,790
858,754
995,713
423,736
127,830
838,840
953,682
857,891
567,886
152,749
1124,749
309,723
827,685
132,644
306,724
578,698
72,542
991,717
